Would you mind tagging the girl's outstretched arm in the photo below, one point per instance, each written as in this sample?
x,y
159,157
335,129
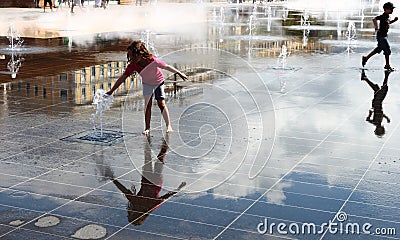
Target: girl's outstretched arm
x,y
128,193
117,83
174,70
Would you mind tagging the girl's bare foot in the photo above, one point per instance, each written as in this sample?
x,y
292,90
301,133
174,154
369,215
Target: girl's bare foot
x,y
146,132
169,129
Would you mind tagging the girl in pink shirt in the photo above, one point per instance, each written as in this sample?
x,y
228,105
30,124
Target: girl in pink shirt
x,y
149,68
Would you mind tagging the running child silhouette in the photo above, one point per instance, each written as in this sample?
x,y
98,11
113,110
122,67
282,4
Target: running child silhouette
x,y
149,68
381,35
376,112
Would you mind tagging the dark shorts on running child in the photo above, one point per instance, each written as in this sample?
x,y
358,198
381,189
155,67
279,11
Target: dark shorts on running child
x,y
383,45
158,90
49,2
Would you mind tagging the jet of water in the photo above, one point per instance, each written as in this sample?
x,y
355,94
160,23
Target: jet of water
x,y
351,35
14,64
102,102
15,42
146,37
14,38
281,62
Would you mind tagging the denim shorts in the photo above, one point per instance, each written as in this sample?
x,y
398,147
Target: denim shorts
x,y
158,90
383,45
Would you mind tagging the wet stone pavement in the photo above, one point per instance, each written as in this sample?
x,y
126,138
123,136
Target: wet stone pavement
x,y
266,145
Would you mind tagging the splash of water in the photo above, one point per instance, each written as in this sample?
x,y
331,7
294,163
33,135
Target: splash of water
x,y
268,13
283,86
14,64
252,25
351,35
252,22
14,38
282,58
102,102
15,43
305,23
146,37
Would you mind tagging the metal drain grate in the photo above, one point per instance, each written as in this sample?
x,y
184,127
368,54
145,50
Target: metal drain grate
x,y
109,137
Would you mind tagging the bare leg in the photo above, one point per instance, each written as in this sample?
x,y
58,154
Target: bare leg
x,y
372,53
165,114
147,113
365,58
387,60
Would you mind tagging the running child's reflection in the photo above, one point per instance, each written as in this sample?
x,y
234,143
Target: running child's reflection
x,y
377,110
144,202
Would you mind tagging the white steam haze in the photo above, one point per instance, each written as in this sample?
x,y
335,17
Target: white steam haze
x,y
328,5
119,20
341,7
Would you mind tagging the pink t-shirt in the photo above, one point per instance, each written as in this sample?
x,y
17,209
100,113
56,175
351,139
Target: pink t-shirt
x,y
151,74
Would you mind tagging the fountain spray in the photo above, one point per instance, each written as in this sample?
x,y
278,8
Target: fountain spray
x,y
102,102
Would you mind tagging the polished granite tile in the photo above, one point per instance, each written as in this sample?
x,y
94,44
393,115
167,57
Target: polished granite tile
x,y
354,236
302,201
30,201
21,233
315,189
383,173
290,213
38,160
84,179
374,198
52,189
7,180
179,227
374,212
61,226
21,170
4,229
355,227
12,217
266,227
246,234
215,200
142,235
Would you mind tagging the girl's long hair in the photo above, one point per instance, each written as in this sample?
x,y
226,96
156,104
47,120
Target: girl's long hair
x,y
139,48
